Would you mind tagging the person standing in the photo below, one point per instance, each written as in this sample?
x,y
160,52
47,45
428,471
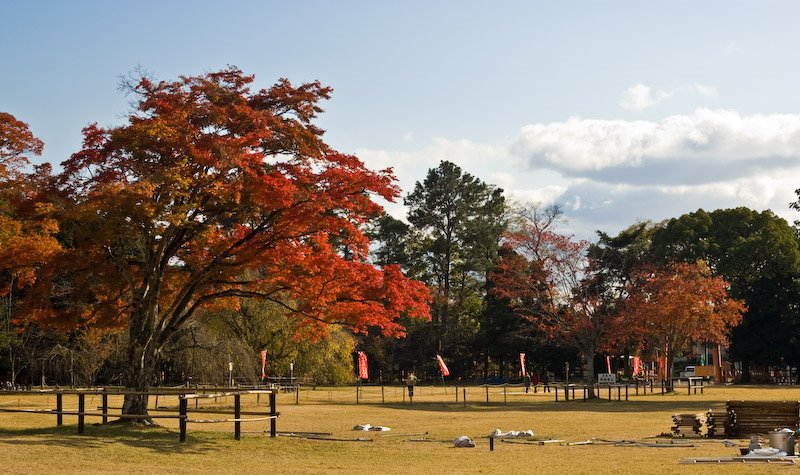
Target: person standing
x,y
527,380
411,381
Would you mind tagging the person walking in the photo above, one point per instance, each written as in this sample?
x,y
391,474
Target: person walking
x,y
411,381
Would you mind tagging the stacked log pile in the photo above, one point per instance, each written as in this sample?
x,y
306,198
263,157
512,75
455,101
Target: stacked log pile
x,y
759,417
717,423
687,425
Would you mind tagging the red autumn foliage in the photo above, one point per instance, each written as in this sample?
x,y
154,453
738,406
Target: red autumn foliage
x,y
26,230
16,141
679,304
211,193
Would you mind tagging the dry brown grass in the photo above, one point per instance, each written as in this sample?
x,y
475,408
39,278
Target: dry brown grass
x,y
32,443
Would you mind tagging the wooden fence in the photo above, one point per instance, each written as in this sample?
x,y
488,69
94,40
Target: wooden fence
x,y
184,396
494,393
693,385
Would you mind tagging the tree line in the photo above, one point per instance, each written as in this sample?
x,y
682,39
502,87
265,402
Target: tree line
x,y
216,223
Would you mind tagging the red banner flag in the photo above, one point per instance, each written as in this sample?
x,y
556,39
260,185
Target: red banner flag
x,y
637,365
363,371
442,366
263,364
522,363
608,364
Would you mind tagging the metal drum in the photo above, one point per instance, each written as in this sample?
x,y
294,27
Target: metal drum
x,y
783,441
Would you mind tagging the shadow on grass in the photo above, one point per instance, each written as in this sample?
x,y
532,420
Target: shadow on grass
x,y
155,439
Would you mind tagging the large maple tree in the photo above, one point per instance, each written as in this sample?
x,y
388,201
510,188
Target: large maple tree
x,y
680,304
27,231
210,193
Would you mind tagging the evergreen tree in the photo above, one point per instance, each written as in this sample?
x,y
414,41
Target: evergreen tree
x,y
457,222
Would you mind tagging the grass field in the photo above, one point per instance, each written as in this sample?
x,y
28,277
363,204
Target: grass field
x,y
31,443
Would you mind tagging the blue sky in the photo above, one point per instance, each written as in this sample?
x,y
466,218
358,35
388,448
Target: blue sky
x,y
620,110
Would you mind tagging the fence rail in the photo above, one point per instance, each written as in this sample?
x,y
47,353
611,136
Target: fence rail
x,y
504,393
184,396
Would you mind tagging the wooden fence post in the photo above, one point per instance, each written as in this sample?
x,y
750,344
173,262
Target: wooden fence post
x,y
383,395
487,393
465,397
237,414
273,412
105,406
81,409
59,408
183,407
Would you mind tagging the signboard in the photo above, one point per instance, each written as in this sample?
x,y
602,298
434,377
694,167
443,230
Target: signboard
x,y
607,378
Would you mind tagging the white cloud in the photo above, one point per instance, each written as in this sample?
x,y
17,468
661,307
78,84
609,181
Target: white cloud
x,y
408,136
708,91
493,164
703,147
412,166
610,174
640,97
544,195
611,208
502,179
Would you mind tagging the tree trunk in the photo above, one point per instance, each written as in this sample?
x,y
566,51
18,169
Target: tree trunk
x,y
142,363
588,359
136,380
446,304
670,367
